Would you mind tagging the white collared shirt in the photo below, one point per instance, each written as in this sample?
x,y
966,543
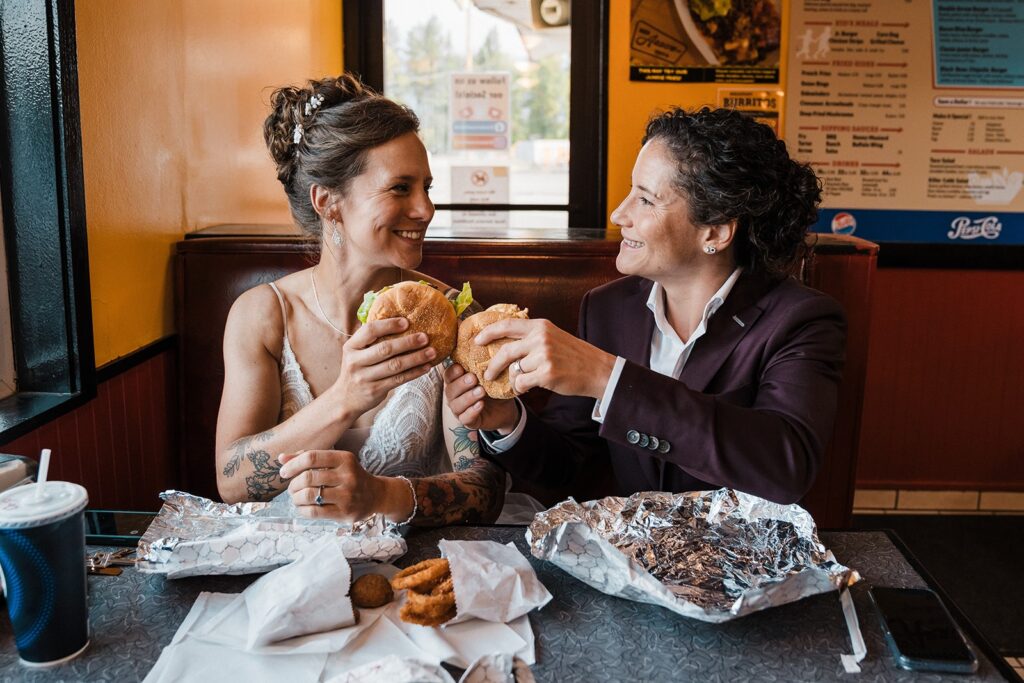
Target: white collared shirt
x,y
668,353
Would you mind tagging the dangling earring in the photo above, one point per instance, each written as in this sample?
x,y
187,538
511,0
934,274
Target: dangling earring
x,y
709,249
336,236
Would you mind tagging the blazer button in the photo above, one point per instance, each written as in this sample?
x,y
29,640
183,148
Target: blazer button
x,y
664,446
632,436
644,440
653,445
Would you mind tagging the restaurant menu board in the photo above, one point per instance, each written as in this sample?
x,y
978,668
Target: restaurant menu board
x,y
912,114
705,41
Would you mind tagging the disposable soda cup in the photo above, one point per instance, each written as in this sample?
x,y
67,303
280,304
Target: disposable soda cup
x,y
42,554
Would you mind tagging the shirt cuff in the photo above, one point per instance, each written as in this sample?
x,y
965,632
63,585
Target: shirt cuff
x,y
606,398
500,444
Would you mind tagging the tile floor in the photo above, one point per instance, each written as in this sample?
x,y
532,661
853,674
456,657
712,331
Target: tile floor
x,y
924,502
1018,665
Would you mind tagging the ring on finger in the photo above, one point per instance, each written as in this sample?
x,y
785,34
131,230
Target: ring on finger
x,y
319,500
517,367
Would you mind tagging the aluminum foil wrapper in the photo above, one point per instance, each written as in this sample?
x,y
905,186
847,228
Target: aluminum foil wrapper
x,y
193,536
709,555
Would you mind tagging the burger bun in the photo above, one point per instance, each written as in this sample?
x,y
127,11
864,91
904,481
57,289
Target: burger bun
x,y
427,311
474,358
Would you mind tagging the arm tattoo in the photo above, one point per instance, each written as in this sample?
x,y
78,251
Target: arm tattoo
x,y
474,495
240,447
260,485
465,447
265,479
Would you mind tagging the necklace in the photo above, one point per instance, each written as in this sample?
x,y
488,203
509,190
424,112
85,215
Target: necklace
x,y
320,308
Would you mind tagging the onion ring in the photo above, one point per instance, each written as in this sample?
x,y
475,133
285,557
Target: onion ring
x,y
422,573
410,616
428,604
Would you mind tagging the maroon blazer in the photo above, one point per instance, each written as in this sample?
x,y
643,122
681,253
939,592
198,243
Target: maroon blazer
x,y
752,410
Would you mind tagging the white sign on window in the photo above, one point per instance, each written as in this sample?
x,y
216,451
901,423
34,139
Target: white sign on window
x,y
480,185
479,107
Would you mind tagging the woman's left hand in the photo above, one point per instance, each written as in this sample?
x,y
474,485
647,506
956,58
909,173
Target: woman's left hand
x,y
348,492
547,357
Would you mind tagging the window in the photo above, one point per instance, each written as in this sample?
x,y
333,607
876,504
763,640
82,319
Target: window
x,y
42,197
511,97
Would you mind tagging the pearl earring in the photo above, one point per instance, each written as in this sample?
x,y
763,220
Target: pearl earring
x,y
336,236
710,249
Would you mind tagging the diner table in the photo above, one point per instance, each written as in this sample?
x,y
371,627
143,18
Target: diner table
x,y
581,635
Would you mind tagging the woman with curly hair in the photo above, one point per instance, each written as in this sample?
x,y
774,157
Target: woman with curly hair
x,y
344,419
708,365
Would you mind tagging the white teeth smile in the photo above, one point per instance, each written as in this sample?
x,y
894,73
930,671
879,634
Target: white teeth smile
x,y
410,234
632,244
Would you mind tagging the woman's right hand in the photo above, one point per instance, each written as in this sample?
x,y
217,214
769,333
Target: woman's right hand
x,y
371,366
473,407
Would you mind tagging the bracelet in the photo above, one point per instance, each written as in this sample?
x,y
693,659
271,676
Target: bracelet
x,y
415,503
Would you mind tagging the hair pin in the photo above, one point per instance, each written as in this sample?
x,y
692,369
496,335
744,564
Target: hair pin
x,y
297,134
314,102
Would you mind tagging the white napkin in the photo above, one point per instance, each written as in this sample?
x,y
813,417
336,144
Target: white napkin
x,y
309,595
213,639
492,582
188,658
395,669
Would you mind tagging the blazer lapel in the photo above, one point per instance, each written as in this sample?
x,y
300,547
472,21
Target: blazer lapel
x,y
725,330
637,326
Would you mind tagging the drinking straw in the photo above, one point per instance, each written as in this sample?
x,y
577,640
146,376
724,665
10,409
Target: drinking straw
x,y
44,466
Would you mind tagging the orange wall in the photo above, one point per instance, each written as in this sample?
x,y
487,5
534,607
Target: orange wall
x,y
173,95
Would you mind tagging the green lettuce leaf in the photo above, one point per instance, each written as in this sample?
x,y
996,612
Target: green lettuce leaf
x,y
464,299
368,299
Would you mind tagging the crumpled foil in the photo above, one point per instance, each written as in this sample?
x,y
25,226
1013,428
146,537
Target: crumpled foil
x,y
193,536
709,555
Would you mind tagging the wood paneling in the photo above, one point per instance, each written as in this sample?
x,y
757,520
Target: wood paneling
x,y
120,446
945,382
549,276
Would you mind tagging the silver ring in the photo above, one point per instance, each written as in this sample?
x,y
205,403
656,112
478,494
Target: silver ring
x,y
517,367
319,500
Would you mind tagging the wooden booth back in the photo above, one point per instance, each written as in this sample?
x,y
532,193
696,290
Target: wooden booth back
x,y
548,276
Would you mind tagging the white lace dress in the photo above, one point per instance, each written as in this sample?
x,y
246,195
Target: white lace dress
x,y
406,437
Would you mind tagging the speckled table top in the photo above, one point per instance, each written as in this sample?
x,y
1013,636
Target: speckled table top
x,y
581,634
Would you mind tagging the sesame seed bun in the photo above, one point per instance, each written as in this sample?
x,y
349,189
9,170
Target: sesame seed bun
x,y
474,358
426,309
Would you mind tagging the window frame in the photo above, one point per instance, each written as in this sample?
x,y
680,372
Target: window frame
x,y
363,29
42,197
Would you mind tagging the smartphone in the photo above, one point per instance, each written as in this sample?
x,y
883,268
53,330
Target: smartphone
x,y
116,527
920,631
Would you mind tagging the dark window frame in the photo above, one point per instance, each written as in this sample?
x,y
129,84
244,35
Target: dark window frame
x,y
43,204
363,33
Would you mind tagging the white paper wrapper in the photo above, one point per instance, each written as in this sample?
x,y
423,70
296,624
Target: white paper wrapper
x,y
493,582
709,555
309,595
393,669
193,536
211,642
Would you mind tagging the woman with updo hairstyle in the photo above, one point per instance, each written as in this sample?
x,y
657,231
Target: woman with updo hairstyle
x,y
709,364
316,407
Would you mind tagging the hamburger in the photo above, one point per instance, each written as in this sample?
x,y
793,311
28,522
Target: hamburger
x,y
474,357
426,309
